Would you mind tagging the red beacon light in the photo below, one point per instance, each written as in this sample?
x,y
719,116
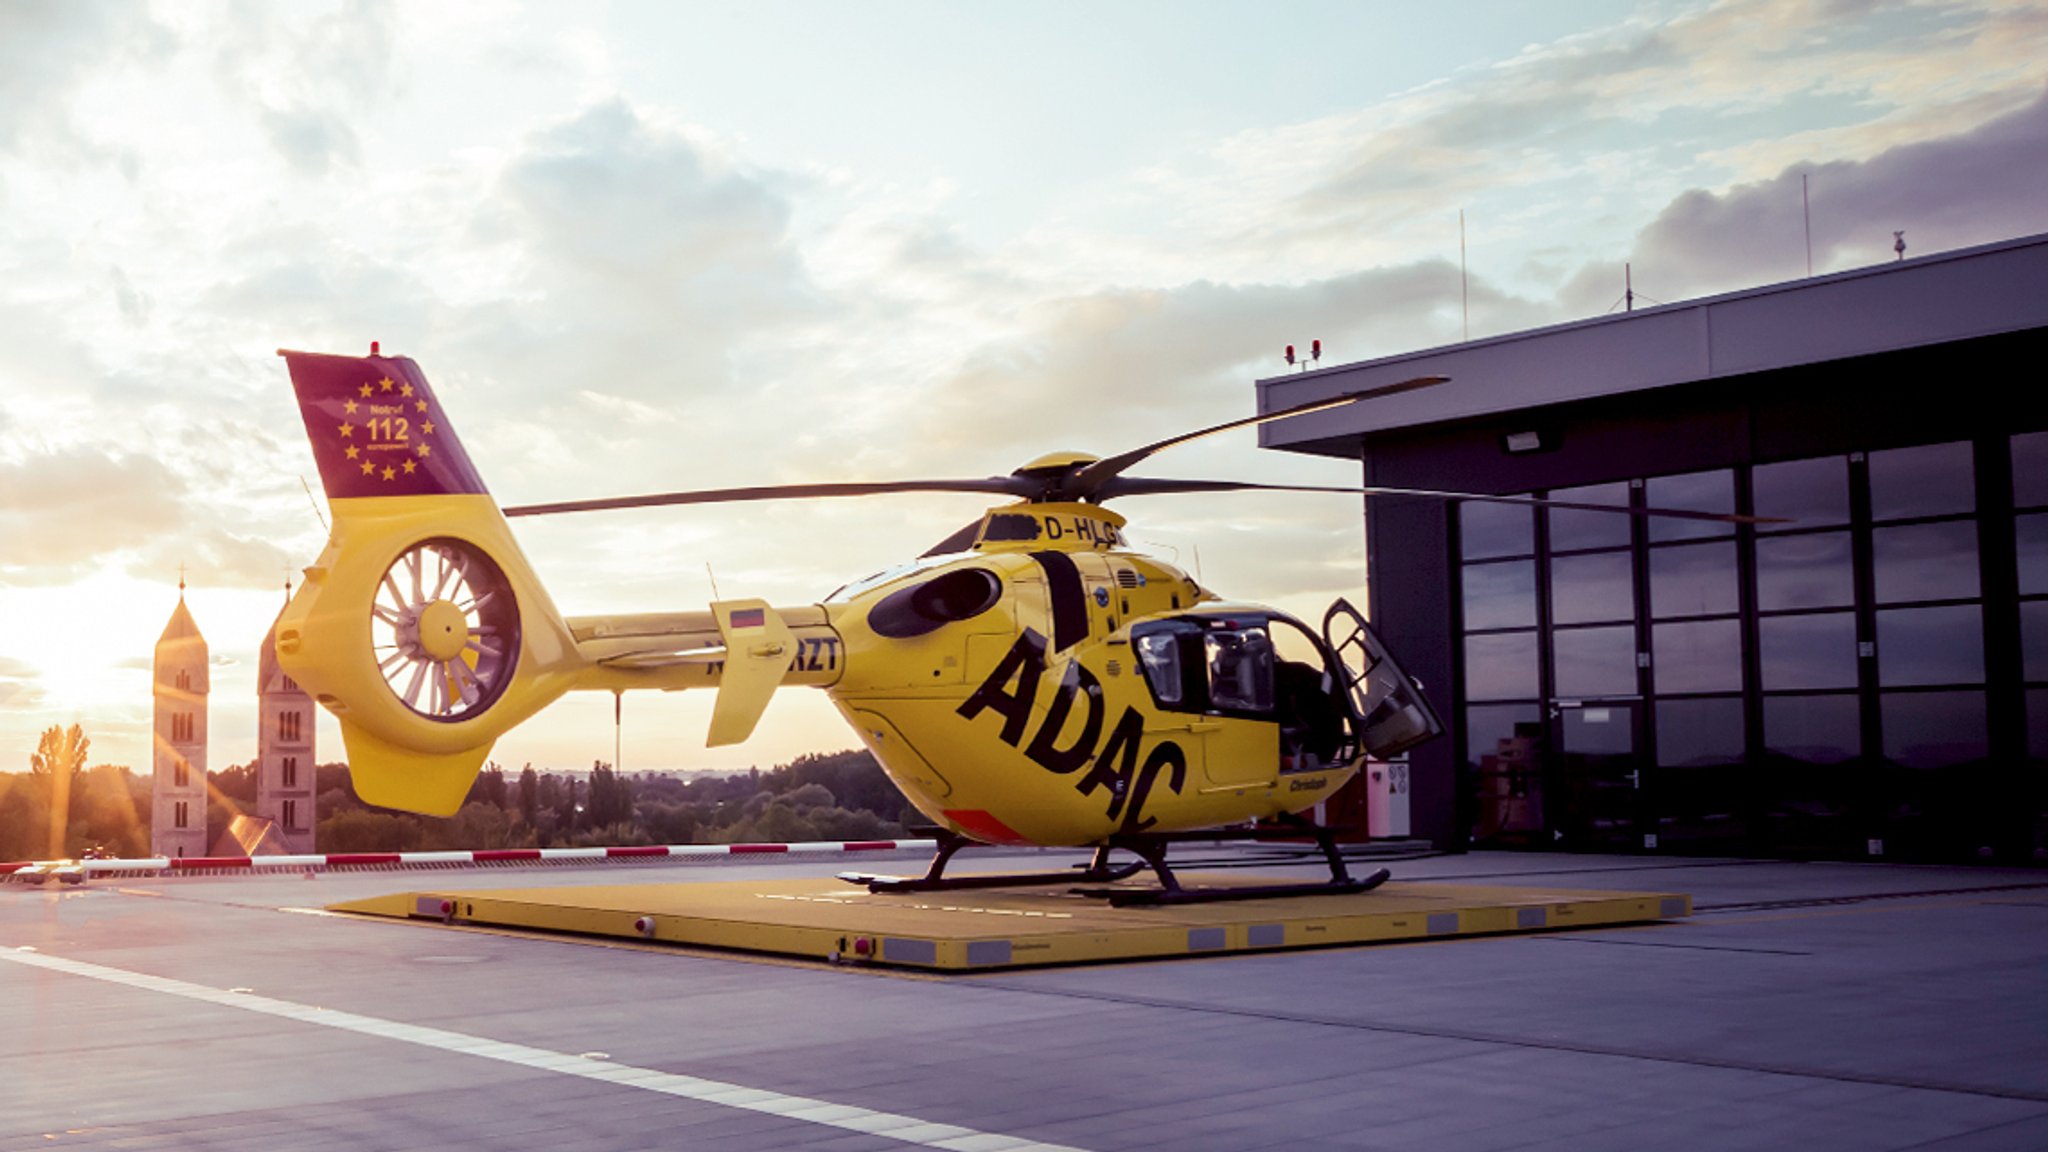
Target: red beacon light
x,y
1290,353
1315,349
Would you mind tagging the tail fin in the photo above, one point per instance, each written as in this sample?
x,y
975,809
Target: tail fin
x,y
421,627
377,429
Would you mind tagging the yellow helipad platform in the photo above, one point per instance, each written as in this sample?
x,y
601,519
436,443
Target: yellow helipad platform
x,y
1017,928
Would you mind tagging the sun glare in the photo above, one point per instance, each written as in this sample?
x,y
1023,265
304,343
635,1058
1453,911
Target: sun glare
x,y
88,644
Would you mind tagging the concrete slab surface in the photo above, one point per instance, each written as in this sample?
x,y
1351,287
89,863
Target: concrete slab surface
x,y
1810,1006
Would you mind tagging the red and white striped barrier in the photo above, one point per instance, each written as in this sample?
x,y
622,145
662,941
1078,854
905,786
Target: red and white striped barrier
x,y
175,864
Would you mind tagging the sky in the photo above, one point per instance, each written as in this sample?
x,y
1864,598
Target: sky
x,y
654,246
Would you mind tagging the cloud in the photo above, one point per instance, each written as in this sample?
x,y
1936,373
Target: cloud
x,y
300,281
1971,188
65,513
46,48
18,682
1586,136
645,255
307,81
312,140
218,557
1113,369
59,510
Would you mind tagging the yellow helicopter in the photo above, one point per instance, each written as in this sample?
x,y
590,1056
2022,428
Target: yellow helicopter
x,y
1030,680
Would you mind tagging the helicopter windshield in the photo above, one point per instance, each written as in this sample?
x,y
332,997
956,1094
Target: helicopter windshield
x,y
1159,654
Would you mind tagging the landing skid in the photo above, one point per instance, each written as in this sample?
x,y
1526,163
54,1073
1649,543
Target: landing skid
x,y
1150,849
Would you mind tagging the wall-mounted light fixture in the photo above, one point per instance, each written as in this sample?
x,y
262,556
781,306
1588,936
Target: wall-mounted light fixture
x,y
1518,442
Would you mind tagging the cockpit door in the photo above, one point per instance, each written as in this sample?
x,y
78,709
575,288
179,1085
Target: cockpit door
x,y
1392,714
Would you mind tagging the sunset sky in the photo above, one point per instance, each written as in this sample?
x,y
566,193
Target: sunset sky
x,y
649,246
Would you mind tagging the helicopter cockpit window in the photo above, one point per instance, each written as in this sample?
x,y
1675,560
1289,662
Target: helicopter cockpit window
x,y
868,584
1240,670
1159,655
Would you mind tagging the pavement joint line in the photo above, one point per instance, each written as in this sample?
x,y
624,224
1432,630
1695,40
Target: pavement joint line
x,y
852,1118
1862,898
1952,1138
1506,1041
1648,866
1588,939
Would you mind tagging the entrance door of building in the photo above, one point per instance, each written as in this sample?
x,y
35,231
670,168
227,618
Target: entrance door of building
x,y
1596,770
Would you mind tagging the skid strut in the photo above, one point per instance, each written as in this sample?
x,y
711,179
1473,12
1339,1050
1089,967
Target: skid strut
x,y
1150,850
1098,871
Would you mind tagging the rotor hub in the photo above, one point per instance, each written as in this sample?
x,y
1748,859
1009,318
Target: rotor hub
x,y
440,631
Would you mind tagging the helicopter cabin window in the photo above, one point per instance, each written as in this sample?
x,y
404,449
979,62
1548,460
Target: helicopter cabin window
x,y
1240,670
1266,668
1252,665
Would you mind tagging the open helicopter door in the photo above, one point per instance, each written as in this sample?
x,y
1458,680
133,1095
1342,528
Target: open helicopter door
x,y
1393,715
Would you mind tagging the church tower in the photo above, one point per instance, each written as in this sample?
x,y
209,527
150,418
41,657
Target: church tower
x,y
284,751
177,825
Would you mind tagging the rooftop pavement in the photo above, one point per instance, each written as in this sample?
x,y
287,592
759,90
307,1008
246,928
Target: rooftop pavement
x,y
1817,1006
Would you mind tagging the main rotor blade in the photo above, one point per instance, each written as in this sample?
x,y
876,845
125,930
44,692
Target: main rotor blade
x,y
1083,484
960,541
1151,486
1002,485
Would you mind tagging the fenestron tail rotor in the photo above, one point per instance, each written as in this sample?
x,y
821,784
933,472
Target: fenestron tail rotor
x,y
444,629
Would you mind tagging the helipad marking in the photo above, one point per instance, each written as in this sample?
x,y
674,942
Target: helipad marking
x,y
588,1066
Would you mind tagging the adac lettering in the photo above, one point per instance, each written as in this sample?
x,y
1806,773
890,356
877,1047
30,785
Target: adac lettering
x,y
1011,690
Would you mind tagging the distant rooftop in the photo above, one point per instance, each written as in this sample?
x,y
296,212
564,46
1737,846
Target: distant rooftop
x,y
1934,299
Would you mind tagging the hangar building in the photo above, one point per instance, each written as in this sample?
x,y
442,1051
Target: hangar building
x,y
1868,677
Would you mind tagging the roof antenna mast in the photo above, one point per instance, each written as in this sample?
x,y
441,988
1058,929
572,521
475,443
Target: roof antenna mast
x,y
1806,215
1464,281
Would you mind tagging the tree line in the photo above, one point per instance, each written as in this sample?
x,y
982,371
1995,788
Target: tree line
x,y
60,808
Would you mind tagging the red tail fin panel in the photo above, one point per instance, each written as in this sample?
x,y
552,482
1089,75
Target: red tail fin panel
x,y
377,429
